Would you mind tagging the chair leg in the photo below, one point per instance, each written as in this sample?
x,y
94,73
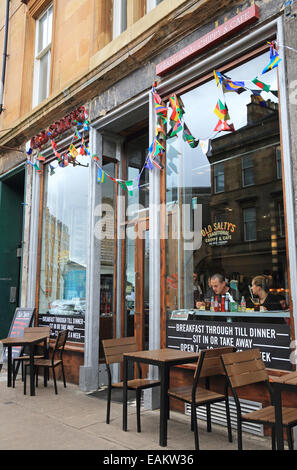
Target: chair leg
x,y
208,417
138,402
63,374
228,420
195,425
239,433
13,373
108,404
37,372
55,382
25,378
273,438
289,437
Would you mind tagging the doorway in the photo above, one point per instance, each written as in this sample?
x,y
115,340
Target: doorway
x,y
136,320
12,188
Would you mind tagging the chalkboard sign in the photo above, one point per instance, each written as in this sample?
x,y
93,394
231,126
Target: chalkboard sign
x,y
23,318
273,340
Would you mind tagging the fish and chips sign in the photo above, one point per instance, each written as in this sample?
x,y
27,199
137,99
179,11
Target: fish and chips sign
x,y
218,234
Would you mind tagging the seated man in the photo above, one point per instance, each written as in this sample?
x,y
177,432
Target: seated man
x,y
220,287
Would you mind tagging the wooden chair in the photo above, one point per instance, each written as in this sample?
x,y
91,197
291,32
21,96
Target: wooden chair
x,y
246,368
208,365
22,359
56,360
113,351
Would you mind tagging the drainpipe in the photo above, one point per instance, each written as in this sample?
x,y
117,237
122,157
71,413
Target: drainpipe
x,y
4,56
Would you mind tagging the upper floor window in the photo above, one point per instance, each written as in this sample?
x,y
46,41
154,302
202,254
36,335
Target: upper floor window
x,y
119,17
43,43
247,171
150,4
125,13
219,178
249,221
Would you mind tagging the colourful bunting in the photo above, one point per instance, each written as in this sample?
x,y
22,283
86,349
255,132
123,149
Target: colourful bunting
x,y
129,186
224,126
188,137
261,85
274,59
176,129
100,175
221,111
258,99
73,151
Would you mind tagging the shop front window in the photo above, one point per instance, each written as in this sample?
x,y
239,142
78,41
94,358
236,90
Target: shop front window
x,y
236,226
62,290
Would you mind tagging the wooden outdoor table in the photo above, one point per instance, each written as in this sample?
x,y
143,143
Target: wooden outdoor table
x,y
287,382
164,359
30,341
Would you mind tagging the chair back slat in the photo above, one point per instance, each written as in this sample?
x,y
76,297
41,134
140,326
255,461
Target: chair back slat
x,y
212,364
115,348
245,367
61,340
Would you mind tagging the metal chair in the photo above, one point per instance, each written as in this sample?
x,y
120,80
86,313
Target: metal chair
x,y
246,368
113,351
208,365
20,360
56,360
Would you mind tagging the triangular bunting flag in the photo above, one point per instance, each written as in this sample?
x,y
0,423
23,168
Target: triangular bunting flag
x,y
188,137
274,59
129,186
221,111
100,176
261,85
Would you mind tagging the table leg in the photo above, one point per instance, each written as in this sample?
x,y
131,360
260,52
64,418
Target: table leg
x,y
278,417
164,374
125,374
9,365
32,384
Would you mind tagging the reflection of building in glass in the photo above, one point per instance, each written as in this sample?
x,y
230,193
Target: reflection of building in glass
x,y
55,256
243,231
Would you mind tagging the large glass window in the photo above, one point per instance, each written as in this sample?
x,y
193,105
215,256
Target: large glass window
x,y
62,292
235,227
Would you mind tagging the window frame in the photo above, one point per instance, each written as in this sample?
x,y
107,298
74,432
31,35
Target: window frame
x,y
39,55
243,170
119,17
215,176
245,222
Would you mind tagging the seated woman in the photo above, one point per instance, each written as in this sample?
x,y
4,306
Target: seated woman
x,y
267,300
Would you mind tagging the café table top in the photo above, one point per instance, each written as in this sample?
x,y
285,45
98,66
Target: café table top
x,y
22,340
287,379
165,355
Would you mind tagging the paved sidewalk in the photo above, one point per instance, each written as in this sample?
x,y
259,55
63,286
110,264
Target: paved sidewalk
x,y
73,420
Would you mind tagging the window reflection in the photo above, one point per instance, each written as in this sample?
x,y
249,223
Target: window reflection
x,y
62,293
238,188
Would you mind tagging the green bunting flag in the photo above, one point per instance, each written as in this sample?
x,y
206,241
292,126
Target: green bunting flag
x,y
261,85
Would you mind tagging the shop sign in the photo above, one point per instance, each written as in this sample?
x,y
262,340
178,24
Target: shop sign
x,y
273,340
74,324
240,21
219,233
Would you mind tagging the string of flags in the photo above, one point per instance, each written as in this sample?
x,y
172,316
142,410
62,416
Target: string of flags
x,y
175,123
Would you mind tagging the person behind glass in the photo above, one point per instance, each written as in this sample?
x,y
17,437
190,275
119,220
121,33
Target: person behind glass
x,y
220,287
197,291
268,301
